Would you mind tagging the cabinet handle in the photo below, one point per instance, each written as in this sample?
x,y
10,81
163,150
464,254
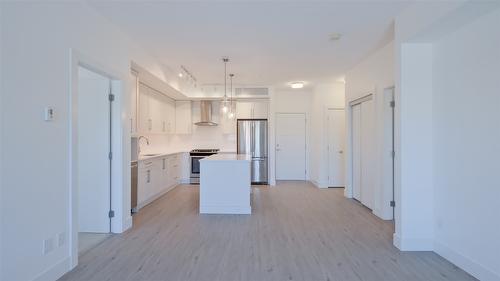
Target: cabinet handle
x,y
148,176
150,124
131,126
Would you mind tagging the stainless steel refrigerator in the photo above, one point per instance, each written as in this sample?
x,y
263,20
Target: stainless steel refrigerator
x,y
252,140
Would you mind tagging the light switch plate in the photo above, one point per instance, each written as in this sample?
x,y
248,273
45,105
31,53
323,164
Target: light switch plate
x,y
48,245
49,113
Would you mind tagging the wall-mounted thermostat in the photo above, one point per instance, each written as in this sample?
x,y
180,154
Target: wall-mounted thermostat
x,y
49,113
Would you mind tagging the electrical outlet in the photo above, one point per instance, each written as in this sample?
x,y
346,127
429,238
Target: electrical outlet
x,y
48,245
61,239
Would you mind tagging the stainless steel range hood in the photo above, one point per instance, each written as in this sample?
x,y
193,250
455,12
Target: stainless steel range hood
x,y
206,114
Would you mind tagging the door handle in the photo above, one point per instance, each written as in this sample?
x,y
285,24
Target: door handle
x,y
341,151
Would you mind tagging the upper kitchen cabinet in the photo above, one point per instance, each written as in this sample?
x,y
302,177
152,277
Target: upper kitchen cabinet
x,y
144,121
255,109
183,121
134,93
156,112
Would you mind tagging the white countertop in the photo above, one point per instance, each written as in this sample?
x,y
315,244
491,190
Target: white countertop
x,y
228,157
160,154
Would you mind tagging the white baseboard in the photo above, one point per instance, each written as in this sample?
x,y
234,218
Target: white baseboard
x,y
413,243
127,224
472,267
55,272
239,210
319,184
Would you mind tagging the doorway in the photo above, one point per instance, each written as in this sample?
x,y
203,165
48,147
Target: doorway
x,y
94,158
336,144
290,146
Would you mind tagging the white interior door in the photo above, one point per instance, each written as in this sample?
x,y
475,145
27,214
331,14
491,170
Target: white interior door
x,y
336,136
356,152
93,152
290,146
367,154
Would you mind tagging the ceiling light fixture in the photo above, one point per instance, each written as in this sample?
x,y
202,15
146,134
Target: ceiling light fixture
x,y
231,110
224,102
297,85
335,36
181,75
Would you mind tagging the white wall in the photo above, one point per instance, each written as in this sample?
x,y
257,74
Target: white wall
x,y
324,96
466,130
36,54
447,87
371,76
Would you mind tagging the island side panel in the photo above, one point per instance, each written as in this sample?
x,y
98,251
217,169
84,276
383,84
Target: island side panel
x,y
225,187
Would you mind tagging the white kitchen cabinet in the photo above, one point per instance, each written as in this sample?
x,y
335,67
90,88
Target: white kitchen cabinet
x,y
183,120
144,97
156,112
156,107
157,176
174,169
260,109
252,109
146,186
134,94
244,109
169,116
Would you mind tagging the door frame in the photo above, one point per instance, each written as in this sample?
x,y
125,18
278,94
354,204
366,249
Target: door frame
x,y
119,166
306,154
328,142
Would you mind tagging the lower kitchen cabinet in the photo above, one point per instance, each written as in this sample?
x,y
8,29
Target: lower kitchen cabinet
x,y
157,176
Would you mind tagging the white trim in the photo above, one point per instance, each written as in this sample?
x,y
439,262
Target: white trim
x,y
55,272
361,99
473,268
322,185
413,243
119,164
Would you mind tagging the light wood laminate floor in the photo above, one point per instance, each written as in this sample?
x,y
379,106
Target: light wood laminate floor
x,y
296,232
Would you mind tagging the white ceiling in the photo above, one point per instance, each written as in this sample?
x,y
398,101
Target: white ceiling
x,y
269,43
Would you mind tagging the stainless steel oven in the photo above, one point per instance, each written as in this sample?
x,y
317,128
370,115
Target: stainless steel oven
x,y
195,156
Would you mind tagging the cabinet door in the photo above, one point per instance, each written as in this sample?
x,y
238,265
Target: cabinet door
x,y
144,121
170,116
145,182
134,83
183,123
244,109
155,112
260,110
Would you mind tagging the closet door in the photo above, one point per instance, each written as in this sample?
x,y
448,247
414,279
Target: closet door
x,y
356,152
367,154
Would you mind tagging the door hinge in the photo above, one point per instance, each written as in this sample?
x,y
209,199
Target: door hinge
x,y
393,204
392,104
111,97
110,155
111,214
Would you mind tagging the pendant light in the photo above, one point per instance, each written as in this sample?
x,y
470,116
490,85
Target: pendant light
x,y
224,102
231,110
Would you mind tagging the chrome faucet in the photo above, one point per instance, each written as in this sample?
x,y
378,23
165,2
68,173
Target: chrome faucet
x,y
139,143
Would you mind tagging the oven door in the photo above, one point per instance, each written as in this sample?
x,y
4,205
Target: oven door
x,y
195,166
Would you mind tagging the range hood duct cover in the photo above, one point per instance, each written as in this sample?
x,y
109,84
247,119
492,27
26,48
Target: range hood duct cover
x,y
206,114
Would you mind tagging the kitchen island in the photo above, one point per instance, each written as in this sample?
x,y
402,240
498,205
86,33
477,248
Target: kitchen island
x,y
225,184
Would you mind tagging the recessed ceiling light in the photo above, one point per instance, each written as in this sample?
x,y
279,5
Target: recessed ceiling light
x,y
335,36
297,85
181,75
